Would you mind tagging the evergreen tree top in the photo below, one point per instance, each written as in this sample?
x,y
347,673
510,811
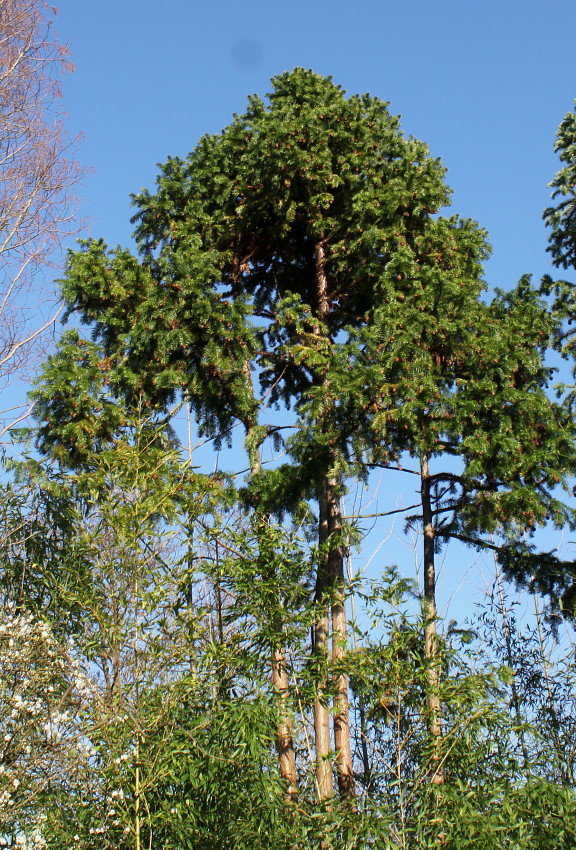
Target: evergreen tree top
x,y
561,219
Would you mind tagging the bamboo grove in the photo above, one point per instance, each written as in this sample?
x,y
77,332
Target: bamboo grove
x,y
297,289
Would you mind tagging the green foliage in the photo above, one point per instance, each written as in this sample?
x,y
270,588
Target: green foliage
x,y
230,246
43,562
561,219
296,260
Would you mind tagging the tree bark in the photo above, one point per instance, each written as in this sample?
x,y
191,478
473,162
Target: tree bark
x,y
429,611
320,652
284,733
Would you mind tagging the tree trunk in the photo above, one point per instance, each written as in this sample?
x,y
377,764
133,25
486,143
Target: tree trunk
x,y
284,736
430,632
281,685
320,652
338,612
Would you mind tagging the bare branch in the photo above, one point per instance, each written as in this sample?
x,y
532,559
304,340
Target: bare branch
x,y
38,175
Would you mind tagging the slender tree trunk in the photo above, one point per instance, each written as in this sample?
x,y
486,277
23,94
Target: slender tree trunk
x,y
366,766
361,711
280,682
284,735
330,591
430,632
338,612
320,652
284,727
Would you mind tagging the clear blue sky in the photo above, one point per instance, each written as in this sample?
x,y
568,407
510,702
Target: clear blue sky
x,y
485,84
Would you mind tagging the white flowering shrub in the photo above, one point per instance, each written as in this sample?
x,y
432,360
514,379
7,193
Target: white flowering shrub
x,y
43,693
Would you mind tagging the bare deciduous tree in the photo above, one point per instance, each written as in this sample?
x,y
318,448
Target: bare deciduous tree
x,y
38,174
